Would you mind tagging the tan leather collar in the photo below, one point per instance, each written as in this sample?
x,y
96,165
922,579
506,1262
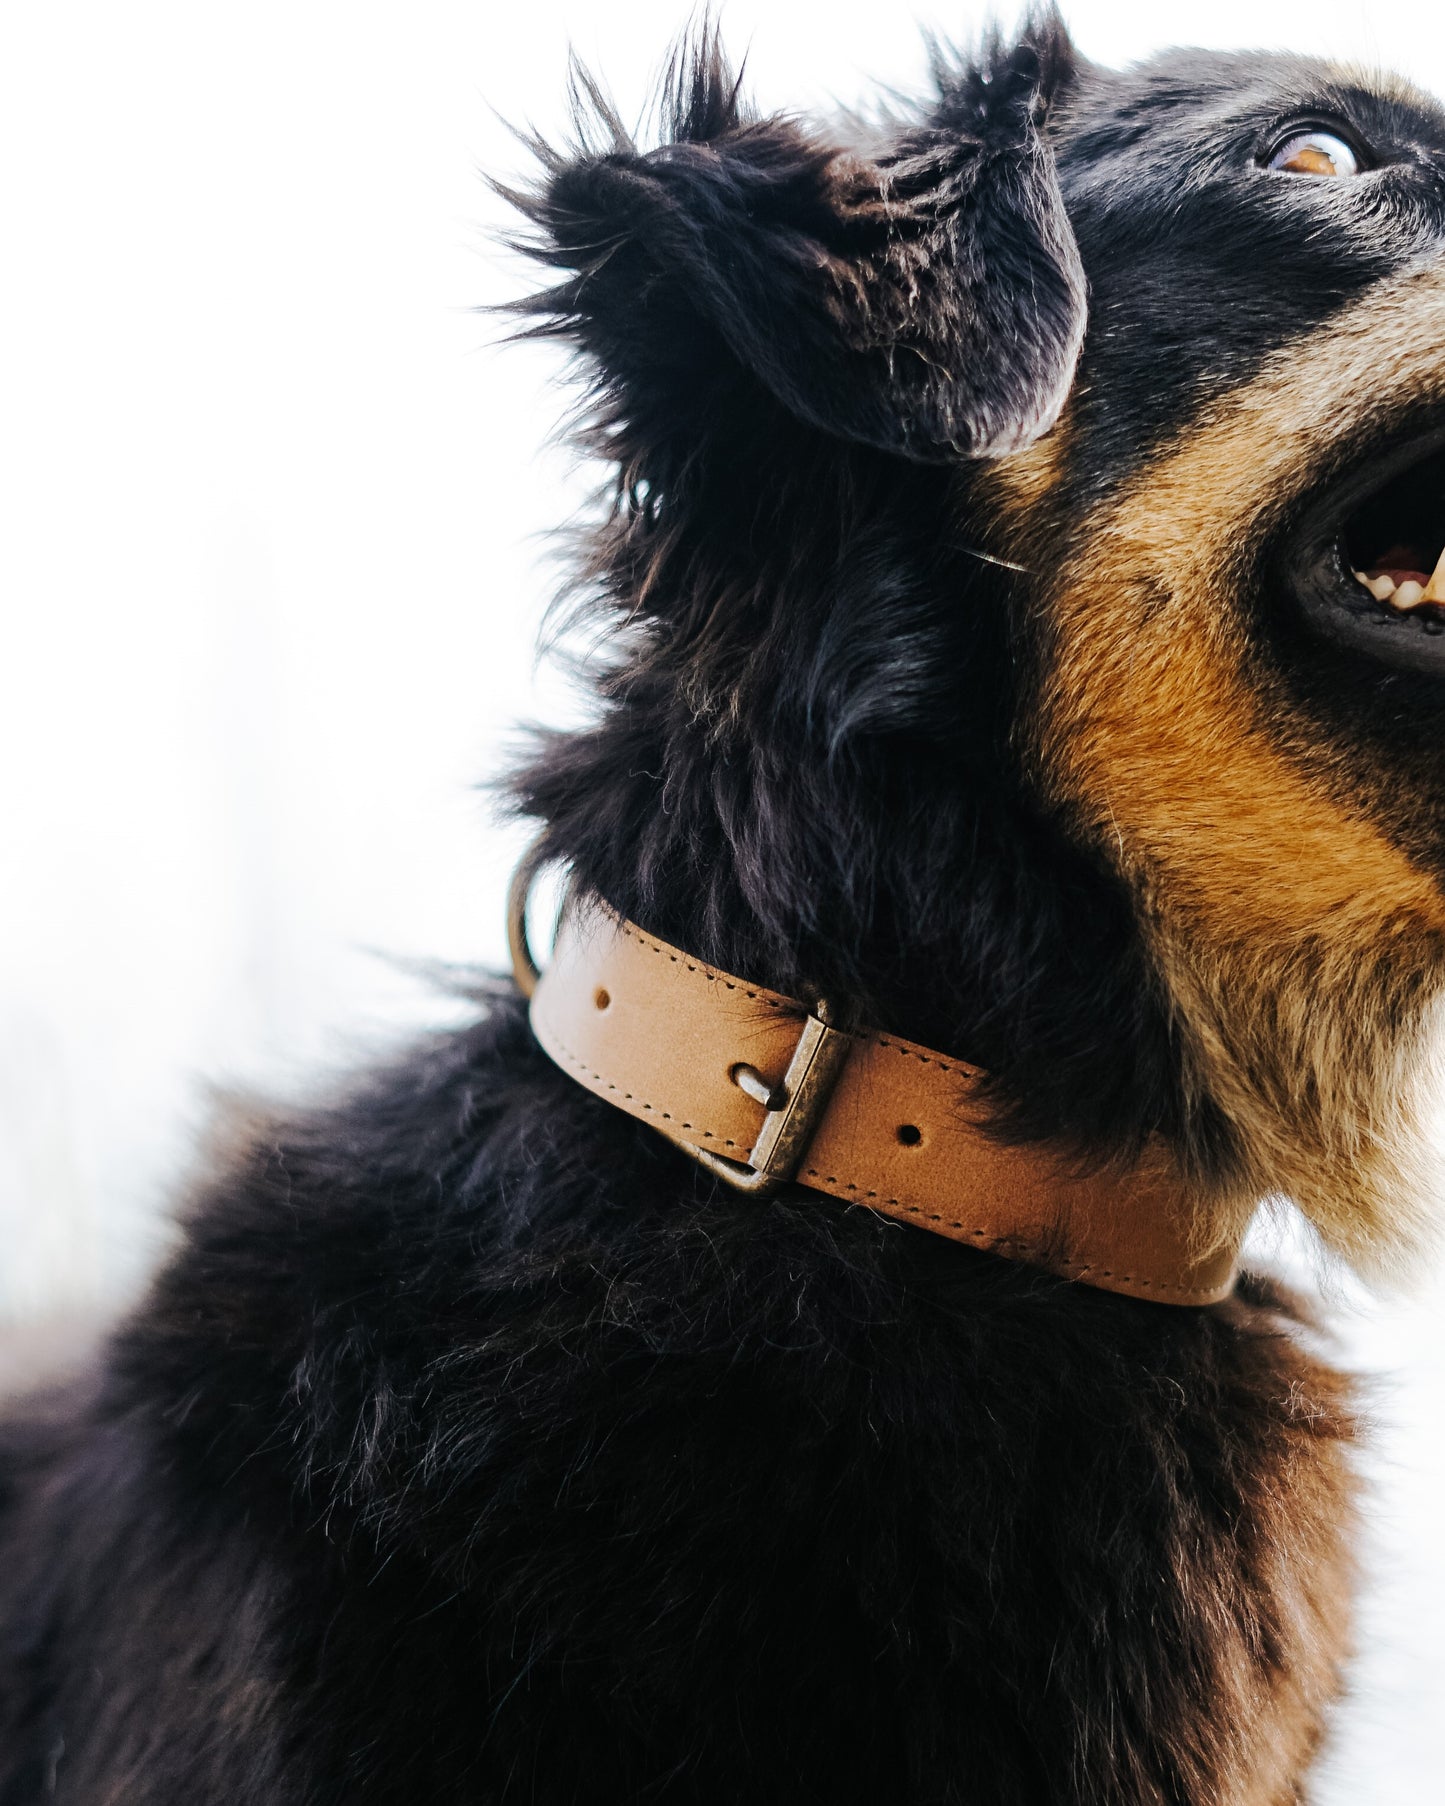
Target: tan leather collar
x,y
764,1092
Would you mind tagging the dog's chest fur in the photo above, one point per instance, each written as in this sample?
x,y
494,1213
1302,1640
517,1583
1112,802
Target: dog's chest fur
x,y
405,1489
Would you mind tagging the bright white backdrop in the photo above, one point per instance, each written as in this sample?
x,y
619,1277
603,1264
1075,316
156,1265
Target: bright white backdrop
x,y
273,508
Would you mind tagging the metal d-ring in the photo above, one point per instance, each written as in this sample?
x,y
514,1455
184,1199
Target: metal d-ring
x,y
525,969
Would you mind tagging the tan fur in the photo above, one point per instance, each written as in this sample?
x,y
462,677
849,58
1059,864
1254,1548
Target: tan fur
x,y
1271,1677
1302,951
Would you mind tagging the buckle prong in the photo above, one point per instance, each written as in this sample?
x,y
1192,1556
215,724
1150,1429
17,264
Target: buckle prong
x,y
748,1078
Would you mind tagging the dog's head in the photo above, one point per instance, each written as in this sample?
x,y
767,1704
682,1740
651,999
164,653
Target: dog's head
x,y
993,488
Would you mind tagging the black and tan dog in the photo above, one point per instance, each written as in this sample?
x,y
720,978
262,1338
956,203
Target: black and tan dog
x,y
1021,558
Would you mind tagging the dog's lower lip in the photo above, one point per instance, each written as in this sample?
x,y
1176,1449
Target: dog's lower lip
x,y
1340,610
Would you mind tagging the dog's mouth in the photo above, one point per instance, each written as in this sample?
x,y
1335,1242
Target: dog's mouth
x,y
1368,565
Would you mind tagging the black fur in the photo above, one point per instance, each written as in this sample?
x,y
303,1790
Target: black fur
x,y
473,1451
875,299
476,1446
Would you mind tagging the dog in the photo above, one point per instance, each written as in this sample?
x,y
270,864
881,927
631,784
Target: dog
x,y
1023,671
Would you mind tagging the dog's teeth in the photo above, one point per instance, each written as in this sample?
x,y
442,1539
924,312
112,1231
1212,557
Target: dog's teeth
x,y
1381,587
1435,588
1408,595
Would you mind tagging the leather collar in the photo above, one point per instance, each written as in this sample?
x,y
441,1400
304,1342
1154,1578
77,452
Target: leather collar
x,y
765,1092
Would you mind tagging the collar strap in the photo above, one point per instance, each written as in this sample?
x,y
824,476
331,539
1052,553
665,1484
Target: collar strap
x,y
764,1092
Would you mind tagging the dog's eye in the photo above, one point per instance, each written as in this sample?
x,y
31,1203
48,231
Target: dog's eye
x,y
1315,154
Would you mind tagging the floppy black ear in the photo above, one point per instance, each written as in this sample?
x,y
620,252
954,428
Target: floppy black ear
x,y
927,300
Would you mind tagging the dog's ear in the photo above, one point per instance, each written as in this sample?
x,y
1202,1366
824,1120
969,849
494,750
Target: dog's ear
x,y
927,300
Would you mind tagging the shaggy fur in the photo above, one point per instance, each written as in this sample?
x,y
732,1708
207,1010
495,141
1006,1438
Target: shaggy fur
x,y
477,1446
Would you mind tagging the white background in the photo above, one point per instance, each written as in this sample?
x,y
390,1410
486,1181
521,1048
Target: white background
x,y
273,516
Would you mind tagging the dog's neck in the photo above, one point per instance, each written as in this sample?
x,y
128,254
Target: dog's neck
x,y
803,771
920,893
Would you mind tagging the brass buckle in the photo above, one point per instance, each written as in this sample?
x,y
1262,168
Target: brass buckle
x,y
794,1110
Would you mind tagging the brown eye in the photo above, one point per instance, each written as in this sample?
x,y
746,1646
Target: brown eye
x,y
1315,154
